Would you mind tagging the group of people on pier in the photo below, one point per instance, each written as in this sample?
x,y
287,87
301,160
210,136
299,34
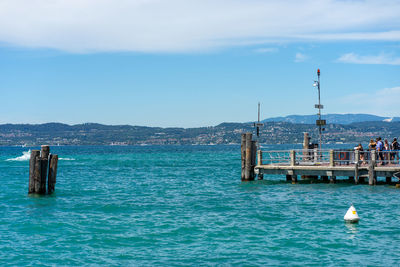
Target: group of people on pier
x,y
386,152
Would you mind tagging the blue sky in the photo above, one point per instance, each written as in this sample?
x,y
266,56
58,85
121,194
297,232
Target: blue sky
x,y
195,63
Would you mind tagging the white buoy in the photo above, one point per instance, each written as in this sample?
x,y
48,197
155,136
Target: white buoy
x,y
351,215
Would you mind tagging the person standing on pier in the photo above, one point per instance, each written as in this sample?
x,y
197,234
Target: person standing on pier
x,y
379,148
386,149
372,145
395,148
361,149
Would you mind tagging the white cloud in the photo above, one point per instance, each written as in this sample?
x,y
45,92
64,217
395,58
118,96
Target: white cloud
x,y
384,102
191,25
379,59
300,57
266,50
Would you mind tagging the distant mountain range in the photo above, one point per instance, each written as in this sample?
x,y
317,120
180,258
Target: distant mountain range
x,y
280,132
333,118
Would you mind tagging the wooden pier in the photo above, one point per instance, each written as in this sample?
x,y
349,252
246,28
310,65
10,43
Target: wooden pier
x,y
326,165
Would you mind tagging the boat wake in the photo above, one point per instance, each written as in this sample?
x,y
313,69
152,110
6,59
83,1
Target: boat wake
x,y
26,155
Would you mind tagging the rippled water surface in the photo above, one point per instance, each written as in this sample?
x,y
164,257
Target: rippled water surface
x,y
185,205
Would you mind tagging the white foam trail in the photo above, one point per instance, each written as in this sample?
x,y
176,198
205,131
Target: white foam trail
x,y
26,155
67,159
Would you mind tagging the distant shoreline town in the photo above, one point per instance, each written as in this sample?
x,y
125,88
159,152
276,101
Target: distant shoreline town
x,y
273,132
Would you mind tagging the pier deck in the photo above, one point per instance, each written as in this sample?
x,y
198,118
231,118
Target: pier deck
x,y
308,163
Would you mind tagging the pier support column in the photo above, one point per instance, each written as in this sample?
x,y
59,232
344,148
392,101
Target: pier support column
x,y
371,169
371,175
248,173
356,174
253,159
332,179
243,155
292,157
331,158
259,163
357,163
294,179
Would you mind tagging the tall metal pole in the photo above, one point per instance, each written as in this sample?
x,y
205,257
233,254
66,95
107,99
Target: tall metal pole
x,y
319,112
258,125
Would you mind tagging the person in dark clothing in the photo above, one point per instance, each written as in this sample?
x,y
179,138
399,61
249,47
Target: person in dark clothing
x,y
395,148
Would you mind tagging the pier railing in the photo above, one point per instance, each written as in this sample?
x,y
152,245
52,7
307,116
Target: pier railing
x,y
327,157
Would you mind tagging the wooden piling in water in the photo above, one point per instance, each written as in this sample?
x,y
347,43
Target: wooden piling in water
x,y
37,174
32,161
44,154
53,162
41,165
243,155
253,159
247,171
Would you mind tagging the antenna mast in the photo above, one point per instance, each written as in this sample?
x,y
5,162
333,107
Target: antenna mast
x,y
320,122
258,125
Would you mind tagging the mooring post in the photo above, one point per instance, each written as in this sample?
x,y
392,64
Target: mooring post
x,y
53,162
259,163
315,155
243,154
37,177
331,158
292,157
371,169
253,159
357,163
44,154
32,161
306,146
247,174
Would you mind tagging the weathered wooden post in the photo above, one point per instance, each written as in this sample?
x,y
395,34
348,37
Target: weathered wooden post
x,y
253,159
259,157
243,153
32,162
306,146
37,174
371,167
259,163
357,163
44,154
42,163
53,162
306,155
248,165
331,158
292,157
315,155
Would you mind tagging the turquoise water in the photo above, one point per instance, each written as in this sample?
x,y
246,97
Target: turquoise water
x,y
185,205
